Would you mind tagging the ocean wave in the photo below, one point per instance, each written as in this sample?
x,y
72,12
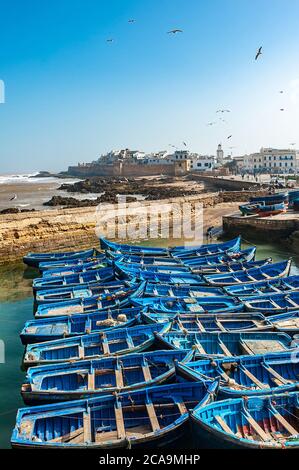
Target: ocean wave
x,y
21,178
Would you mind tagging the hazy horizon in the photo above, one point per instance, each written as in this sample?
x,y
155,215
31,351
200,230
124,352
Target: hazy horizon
x,y
70,95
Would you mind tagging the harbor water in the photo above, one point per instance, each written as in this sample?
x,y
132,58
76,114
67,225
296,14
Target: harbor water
x,y
16,306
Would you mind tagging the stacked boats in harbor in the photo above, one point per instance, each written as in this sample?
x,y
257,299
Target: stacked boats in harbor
x,y
134,346
272,204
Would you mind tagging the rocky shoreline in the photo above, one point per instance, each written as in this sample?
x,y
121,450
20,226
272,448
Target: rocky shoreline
x,y
132,188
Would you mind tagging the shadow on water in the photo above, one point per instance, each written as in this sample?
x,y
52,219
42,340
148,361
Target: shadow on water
x,y
16,306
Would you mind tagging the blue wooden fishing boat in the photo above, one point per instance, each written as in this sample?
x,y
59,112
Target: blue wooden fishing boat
x,y
133,269
226,344
48,329
263,210
273,286
113,301
78,268
94,345
88,278
178,279
45,266
211,323
268,422
285,322
153,417
170,290
273,303
175,305
231,246
208,249
271,198
246,375
223,258
81,292
267,272
83,379
34,259
133,249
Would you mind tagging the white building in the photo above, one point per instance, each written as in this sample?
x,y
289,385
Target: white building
x,y
271,160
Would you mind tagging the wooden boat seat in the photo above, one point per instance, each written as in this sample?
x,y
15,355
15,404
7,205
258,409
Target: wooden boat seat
x,y
119,377
147,373
152,417
200,348
224,426
257,428
253,378
286,425
261,347
200,326
219,324
279,380
91,381
120,425
86,427
224,348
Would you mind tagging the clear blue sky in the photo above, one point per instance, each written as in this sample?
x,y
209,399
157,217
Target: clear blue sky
x,y
70,95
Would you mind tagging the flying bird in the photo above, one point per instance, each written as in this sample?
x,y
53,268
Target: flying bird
x,y
223,111
281,109
174,31
293,143
211,123
110,40
281,91
259,52
185,144
131,20
229,136
13,198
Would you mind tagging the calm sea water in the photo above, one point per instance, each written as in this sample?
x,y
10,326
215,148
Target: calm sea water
x,y
16,307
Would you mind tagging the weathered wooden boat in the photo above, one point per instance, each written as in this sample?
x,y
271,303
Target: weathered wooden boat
x,y
246,375
83,379
48,329
223,258
273,286
153,417
133,249
226,344
87,278
170,290
211,323
263,210
231,246
78,268
271,198
268,422
98,256
208,249
81,292
285,322
267,272
178,279
112,301
134,269
34,259
94,345
175,305
273,303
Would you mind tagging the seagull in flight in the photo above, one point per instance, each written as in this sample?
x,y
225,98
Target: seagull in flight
x,y
229,136
281,91
281,109
110,40
185,144
13,198
223,111
211,123
174,31
259,52
132,20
